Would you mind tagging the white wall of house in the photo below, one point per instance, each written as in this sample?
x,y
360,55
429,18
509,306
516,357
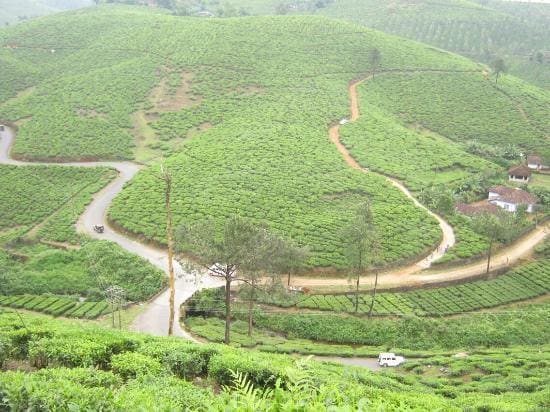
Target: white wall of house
x,y
518,179
511,207
533,166
493,195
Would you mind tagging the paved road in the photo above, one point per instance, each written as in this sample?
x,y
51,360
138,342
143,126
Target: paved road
x,y
154,319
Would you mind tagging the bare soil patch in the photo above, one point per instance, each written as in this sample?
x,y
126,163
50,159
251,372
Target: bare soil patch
x,y
166,100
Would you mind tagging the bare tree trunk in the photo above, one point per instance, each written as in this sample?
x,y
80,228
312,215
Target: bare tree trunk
x,y
288,279
113,309
489,252
167,177
250,310
357,293
373,293
227,337
119,317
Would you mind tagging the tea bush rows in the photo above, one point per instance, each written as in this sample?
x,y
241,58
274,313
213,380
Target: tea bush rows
x,y
464,107
29,195
378,142
268,156
517,31
469,244
526,282
56,305
85,367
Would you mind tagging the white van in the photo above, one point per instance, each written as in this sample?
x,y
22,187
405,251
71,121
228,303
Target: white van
x,y
389,359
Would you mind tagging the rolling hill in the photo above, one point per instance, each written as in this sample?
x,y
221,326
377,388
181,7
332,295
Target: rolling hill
x,y
241,120
16,11
480,30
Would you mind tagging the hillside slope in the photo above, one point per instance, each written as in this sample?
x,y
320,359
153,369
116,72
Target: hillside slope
x,y
242,119
21,10
516,31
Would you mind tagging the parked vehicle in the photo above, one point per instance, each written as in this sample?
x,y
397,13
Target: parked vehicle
x,y
343,121
99,228
390,359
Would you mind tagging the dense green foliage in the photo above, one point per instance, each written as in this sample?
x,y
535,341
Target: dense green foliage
x,y
484,329
464,107
21,10
56,305
518,31
48,196
38,269
84,367
260,112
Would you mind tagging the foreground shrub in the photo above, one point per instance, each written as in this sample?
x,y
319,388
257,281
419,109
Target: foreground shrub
x,y
131,365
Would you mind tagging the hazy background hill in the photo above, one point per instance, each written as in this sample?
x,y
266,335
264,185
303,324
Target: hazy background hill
x,y
14,11
480,30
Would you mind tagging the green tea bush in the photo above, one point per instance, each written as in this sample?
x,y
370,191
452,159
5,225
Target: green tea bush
x,y
262,370
131,365
181,358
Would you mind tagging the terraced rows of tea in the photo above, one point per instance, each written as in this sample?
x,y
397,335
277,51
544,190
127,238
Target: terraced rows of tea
x,y
56,305
523,283
241,120
47,198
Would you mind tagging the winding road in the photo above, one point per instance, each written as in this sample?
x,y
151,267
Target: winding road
x,y
154,319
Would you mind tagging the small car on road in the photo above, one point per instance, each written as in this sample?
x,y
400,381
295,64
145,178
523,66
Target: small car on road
x,y
386,359
99,228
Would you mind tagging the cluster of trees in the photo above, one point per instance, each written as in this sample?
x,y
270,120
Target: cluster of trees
x,y
250,254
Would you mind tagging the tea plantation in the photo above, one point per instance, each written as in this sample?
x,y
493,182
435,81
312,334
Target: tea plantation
x,y
47,198
526,282
466,108
242,122
66,365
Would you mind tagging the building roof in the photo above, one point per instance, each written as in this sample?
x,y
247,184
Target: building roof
x,y
521,170
534,160
514,196
477,209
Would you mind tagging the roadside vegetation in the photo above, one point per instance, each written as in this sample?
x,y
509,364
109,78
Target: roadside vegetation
x,y
67,364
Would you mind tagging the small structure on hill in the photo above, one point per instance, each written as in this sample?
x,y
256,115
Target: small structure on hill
x,y
204,13
511,199
520,174
536,163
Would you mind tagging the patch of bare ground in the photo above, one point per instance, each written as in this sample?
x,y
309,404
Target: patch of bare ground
x,y
166,100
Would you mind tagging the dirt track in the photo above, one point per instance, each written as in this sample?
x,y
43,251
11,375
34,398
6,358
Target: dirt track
x,y
154,319
448,238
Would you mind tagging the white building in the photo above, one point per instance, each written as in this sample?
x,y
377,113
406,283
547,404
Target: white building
x,y
511,199
520,174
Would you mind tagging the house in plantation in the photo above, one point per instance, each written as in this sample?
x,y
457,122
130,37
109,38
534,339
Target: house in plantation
x,y
520,174
511,199
476,208
536,163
